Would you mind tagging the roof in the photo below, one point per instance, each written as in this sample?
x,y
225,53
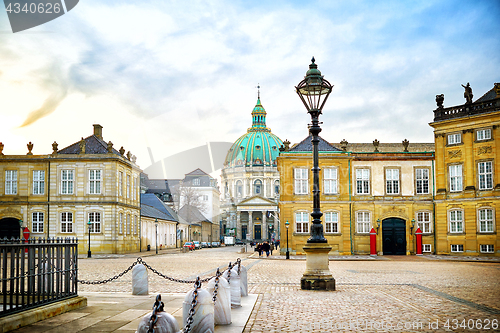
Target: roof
x,y
150,199
490,94
93,145
389,147
175,215
154,213
306,145
197,172
192,214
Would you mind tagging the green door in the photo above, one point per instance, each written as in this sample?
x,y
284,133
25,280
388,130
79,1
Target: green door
x,y
394,236
258,234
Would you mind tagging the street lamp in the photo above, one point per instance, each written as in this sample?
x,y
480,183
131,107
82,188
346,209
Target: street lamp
x,y
313,92
287,224
156,235
89,253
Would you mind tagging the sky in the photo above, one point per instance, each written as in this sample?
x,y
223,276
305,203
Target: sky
x,y
164,78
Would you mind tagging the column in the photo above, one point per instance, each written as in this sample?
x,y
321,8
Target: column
x,y
276,226
238,225
440,168
264,224
250,225
264,180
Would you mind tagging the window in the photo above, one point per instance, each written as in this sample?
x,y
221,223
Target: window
x,y
484,134
302,222
392,181
485,173
455,177
239,188
66,222
331,222
134,196
485,220
301,181
454,139
120,225
422,181
95,181
363,181
128,186
135,224
456,222
67,179
120,183
95,222
363,222
426,248
37,222
196,182
205,197
457,248
487,248
257,186
277,187
424,222
10,181
38,182
128,224
330,180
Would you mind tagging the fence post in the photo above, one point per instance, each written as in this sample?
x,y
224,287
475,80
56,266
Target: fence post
x,y
203,319
234,283
222,305
243,281
140,280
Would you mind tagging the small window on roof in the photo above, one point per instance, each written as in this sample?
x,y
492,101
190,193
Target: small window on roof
x,y
274,147
241,147
257,147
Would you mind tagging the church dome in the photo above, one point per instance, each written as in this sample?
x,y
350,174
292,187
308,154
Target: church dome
x,y
257,147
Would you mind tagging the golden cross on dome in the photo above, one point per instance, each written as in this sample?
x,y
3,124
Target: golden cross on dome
x,y
258,90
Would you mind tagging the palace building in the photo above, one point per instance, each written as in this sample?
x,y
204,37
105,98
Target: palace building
x,y
250,182
448,189
87,187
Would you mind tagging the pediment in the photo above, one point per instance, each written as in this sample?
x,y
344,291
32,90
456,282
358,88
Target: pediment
x,y
257,201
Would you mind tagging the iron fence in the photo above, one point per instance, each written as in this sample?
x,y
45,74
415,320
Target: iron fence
x,y
36,272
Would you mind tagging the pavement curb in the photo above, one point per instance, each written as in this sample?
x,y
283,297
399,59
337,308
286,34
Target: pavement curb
x,y
31,316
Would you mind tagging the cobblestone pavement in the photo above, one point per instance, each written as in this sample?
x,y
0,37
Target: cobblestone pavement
x,y
381,294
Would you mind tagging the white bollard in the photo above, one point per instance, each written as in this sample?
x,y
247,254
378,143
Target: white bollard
x,y
243,281
222,306
139,280
203,319
234,283
165,323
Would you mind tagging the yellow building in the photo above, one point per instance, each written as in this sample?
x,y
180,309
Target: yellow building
x,y
363,186
468,175
87,185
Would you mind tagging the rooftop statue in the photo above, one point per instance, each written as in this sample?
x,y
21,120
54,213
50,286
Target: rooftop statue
x,y
468,93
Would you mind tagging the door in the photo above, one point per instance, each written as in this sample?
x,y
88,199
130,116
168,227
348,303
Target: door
x,y
258,234
394,236
244,232
9,227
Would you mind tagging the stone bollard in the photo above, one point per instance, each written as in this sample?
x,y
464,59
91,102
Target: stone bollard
x,y
166,323
222,306
243,281
234,283
203,319
139,280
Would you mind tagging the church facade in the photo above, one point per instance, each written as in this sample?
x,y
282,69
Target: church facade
x,y
250,183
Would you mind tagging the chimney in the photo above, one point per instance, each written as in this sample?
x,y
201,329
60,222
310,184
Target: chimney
x,y
98,131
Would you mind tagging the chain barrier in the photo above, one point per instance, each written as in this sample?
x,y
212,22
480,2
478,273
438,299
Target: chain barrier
x,y
141,261
194,302
216,286
157,307
238,261
229,267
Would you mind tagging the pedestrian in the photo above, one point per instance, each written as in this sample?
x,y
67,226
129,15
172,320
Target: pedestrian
x,y
266,248
259,249
272,247
277,243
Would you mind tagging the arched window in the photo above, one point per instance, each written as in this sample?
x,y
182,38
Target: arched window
x,y
257,186
277,187
239,188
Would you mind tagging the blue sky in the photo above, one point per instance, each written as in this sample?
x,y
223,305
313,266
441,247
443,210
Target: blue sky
x,y
174,75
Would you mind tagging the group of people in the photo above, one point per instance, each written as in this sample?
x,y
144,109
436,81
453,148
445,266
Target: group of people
x,y
265,247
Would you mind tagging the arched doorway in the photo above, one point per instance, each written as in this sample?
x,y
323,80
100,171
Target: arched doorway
x,y
394,236
9,227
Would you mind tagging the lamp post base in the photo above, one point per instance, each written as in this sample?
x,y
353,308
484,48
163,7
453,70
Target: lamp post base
x,y
89,254
317,275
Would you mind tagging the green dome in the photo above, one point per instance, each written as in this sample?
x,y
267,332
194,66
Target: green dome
x,y
257,147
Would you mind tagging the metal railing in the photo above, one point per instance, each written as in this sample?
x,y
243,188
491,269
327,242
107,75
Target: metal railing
x,y
36,272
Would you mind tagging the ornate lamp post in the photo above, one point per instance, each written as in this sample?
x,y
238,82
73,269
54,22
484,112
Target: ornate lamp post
x,y
156,235
314,91
89,253
287,224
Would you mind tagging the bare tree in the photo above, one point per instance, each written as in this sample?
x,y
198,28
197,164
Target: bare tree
x,y
188,195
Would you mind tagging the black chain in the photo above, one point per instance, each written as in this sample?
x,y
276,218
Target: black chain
x,y
216,287
157,307
138,261
194,302
238,261
229,267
